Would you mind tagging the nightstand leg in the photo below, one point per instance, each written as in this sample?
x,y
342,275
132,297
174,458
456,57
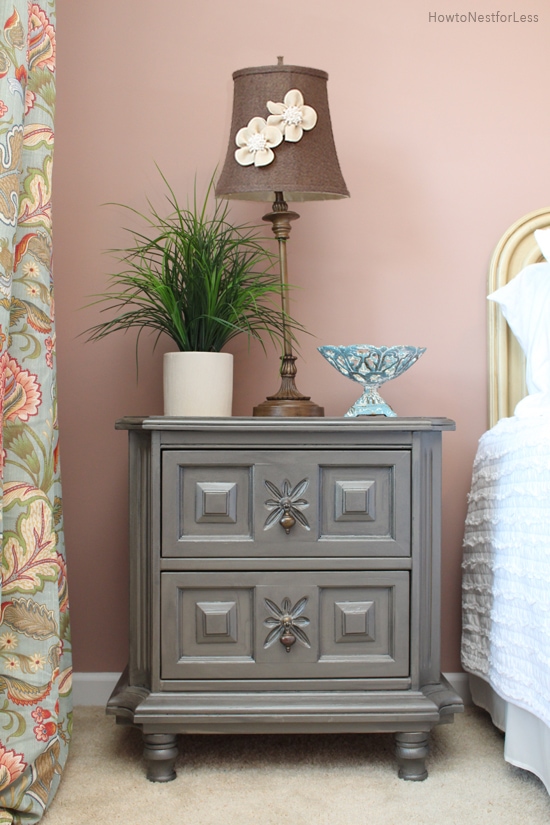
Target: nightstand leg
x,y
160,751
411,750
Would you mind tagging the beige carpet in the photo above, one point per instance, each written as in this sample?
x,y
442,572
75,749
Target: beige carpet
x,y
295,780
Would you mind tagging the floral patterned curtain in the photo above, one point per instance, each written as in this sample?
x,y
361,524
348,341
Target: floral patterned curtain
x,y
35,674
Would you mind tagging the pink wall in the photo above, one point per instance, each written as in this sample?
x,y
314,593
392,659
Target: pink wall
x,y
442,134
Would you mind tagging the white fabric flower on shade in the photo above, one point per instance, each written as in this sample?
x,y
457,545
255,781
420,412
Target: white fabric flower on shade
x,y
256,142
292,116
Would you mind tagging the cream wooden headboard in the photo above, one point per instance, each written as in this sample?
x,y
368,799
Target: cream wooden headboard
x,y
516,249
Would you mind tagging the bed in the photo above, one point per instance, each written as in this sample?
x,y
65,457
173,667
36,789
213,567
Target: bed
x,y
506,564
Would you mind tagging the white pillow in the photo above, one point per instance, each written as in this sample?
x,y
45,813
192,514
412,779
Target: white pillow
x,y
531,405
542,237
525,303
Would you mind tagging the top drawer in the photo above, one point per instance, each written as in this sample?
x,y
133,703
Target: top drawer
x,y
282,503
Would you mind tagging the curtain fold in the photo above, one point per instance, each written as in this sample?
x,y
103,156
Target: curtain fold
x,y
35,653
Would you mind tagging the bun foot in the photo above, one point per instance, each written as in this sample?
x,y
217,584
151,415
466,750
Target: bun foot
x,y
411,750
160,751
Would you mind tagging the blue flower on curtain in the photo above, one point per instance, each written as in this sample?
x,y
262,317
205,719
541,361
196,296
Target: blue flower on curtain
x,y
35,651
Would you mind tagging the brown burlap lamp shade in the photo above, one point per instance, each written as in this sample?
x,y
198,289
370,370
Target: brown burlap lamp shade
x,y
281,148
304,170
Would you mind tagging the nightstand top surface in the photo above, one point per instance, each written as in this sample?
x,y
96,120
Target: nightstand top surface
x,y
297,424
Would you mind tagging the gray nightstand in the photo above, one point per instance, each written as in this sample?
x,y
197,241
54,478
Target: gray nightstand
x,y
284,578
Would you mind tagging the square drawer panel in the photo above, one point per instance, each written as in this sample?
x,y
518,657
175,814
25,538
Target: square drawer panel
x,y
260,625
278,503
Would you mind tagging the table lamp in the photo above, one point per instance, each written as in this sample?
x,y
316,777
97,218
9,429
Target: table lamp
x,y
281,148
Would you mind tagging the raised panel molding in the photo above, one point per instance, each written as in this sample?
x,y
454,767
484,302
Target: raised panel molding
x,y
204,502
355,499
216,622
216,501
368,501
354,621
204,625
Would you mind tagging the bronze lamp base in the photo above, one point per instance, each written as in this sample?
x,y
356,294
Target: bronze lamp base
x,y
288,400
289,407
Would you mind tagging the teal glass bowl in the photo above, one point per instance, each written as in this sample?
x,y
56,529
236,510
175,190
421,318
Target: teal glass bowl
x,y
371,366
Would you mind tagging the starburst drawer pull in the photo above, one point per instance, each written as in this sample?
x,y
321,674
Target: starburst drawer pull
x,y
286,623
286,505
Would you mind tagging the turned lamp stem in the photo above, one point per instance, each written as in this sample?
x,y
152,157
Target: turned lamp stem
x,y
288,400
280,219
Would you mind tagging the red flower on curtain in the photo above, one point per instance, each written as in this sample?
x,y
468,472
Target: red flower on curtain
x,y
41,39
11,766
22,395
45,728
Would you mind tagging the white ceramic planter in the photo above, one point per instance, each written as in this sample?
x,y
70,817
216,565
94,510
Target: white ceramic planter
x,y
198,384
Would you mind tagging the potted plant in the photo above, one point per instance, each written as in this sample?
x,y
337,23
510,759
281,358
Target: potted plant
x,y
201,280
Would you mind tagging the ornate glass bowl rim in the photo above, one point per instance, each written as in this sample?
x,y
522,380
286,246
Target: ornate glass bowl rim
x,y
369,364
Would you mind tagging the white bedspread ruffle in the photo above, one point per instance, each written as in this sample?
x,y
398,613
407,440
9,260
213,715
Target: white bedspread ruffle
x,y
506,565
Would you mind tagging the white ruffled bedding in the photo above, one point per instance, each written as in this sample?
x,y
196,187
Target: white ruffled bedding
x,y
506,566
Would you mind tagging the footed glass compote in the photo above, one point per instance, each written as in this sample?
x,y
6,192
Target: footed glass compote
x,y
372,367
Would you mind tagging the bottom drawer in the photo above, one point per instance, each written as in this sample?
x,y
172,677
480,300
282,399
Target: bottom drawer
x,y
284,626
